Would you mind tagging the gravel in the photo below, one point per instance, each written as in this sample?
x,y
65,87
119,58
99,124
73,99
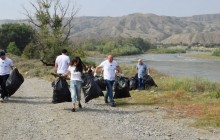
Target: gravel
x,y
29,114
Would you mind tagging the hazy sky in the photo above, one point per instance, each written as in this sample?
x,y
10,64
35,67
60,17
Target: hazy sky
x,y
12,9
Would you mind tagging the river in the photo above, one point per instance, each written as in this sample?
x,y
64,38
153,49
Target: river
x,y
175,65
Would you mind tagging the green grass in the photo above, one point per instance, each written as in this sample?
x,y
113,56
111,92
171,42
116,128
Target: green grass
x,y
202,56
195,97
166,50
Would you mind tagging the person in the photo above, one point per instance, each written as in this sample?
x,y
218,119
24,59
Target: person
x,y
142,69
75,71
109,66
62,63
6,65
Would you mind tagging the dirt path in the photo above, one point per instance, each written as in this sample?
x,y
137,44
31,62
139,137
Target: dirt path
x,y
30,115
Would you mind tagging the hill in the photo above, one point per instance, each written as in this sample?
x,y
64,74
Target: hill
x,y
204,29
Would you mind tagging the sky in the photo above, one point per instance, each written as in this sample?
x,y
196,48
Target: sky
x,y
13,9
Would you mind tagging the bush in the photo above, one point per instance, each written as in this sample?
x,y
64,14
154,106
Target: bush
x,y
12,48
216,53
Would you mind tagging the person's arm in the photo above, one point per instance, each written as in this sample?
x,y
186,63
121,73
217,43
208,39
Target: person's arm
x,y
55,68
148,71
11,65
67,73
96,69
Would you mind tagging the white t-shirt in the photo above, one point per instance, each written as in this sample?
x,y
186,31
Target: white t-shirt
x,y
74,75
63,63
5,66
109,69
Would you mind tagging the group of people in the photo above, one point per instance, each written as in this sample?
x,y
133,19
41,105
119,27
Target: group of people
x,y
75,68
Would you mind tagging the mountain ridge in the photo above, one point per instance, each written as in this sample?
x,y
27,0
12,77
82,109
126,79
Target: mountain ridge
x,y
203,29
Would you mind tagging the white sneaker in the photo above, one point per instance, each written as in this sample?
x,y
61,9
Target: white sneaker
x,y
6,98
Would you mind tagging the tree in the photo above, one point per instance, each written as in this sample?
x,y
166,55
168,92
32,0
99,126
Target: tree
x,y
52,26
20,34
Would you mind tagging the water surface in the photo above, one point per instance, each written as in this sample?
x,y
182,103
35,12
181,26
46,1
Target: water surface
x,y
175,65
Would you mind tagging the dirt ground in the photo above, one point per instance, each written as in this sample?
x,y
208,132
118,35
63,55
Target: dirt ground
x,y
30,115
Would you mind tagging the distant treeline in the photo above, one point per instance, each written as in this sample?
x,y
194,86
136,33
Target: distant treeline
x,y
117,46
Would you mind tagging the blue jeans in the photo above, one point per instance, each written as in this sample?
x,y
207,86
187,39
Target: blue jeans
x,y
75,90
109,93
140,83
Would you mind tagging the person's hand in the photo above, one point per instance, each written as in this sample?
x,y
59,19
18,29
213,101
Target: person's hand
x,y
95,74
122,74
148,74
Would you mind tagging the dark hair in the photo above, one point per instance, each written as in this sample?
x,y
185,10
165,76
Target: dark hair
x,y
64,51
79,64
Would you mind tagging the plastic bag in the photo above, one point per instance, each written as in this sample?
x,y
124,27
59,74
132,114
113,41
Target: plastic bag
x,y
90,88
121,87
100,82
61,91
14,81
149,81
133,83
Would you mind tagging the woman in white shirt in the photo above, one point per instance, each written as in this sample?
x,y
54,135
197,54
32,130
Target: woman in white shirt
x,y
75,71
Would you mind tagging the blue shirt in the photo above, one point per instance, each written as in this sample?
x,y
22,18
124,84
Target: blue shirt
x,y
142,68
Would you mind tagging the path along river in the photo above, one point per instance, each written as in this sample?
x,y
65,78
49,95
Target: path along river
x,y
175,65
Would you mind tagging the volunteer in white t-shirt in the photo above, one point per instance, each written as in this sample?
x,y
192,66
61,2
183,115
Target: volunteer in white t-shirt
x,y
62,63
6,65
75,71
109,67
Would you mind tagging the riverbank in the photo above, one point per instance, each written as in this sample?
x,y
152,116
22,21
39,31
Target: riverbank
x,y
29,114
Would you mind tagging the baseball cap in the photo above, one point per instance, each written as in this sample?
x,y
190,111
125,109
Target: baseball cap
x,y
2,53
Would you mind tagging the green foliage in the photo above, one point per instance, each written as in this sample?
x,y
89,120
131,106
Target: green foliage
x,y
216,53
31,51
20,34
117,46
12,48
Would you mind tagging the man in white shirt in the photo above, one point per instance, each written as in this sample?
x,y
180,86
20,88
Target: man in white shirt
x,y
109,67
6,65
62,63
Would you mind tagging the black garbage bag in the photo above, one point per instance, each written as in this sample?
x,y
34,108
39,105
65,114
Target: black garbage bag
x,y
90,88
121,87
148,81
100,82
61,92
14,81
133,83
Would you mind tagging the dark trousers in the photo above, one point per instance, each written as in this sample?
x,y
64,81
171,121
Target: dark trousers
x,y
3,79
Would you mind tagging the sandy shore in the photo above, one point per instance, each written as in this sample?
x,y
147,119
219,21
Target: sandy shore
x,y
30,115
